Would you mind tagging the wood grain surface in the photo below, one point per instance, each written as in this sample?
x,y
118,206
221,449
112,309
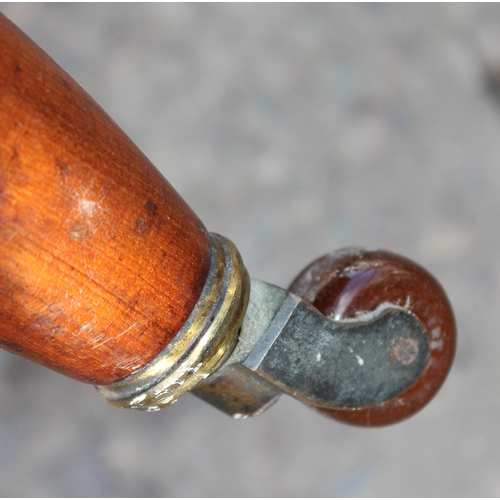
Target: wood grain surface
x,y
101,261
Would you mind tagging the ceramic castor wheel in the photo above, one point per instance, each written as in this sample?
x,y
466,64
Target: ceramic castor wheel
x,y
356,284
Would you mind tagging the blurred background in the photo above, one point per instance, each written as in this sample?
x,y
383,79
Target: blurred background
x,y
293,130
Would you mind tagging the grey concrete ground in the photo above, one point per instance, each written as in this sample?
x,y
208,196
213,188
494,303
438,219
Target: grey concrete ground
x,y
294,130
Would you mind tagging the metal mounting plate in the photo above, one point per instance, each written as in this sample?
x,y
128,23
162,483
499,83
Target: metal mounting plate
x,y
286,345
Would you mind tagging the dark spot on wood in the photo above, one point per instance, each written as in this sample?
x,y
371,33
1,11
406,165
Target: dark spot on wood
x,y
151,208
133,303
169,333
15,153
11,347
65,83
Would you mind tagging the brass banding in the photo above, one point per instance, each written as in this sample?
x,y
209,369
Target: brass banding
x,y
201,345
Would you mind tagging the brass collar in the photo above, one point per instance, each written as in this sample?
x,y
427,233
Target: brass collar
x,y
201,345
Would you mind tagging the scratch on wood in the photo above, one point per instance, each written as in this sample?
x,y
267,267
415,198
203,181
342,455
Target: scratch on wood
x,y
99,344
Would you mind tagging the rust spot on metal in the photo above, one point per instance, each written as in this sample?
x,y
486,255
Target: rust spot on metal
x,y
405,351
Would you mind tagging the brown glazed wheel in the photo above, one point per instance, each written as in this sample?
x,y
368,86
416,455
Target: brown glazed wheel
x,y
351,282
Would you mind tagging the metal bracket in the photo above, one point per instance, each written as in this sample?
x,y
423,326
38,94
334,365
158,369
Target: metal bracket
x,y
287,346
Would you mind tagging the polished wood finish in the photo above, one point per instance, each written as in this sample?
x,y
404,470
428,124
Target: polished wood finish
x,y
101,261
348,283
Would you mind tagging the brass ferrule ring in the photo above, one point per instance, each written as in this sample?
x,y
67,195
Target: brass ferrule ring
x,y
202,344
